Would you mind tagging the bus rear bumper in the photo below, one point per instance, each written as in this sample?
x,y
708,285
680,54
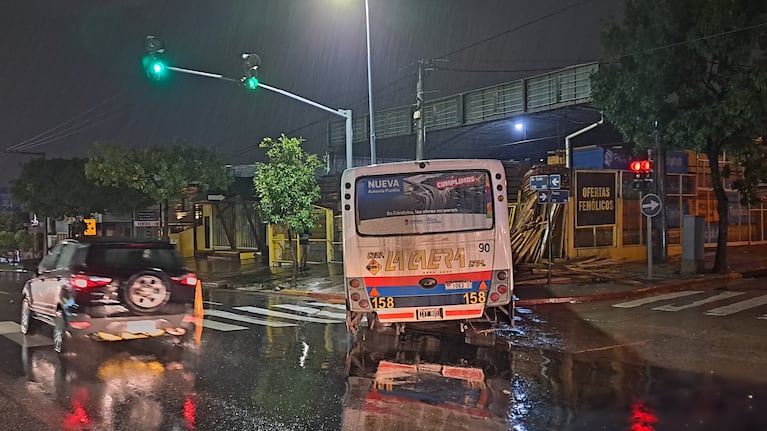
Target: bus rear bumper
x,y
429,314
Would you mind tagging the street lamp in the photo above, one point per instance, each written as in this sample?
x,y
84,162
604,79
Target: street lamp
x,y
370,88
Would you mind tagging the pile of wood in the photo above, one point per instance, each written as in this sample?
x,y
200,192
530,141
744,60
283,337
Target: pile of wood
x,y
585,271
531,233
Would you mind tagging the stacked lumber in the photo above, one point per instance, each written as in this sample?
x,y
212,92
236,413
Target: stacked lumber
x,y
585,271
531,233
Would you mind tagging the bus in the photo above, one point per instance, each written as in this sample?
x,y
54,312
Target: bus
x,y
426,241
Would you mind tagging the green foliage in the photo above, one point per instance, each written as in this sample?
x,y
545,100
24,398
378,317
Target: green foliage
x,y
691,74
161,173
10,241
9,222
682,64
286,187
753,162
58,188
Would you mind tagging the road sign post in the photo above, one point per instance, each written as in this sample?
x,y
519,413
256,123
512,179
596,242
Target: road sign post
x,y
651,206
548,187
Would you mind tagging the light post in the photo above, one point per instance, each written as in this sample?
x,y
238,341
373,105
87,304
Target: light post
x,y
370,88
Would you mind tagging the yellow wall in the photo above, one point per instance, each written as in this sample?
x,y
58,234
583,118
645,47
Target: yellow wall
x,y
184,242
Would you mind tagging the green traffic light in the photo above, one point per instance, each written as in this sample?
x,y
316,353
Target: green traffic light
x,y
251,83
155,67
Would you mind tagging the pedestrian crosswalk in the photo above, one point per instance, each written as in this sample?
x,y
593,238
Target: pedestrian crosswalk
x,y
239,318
274,316
691,299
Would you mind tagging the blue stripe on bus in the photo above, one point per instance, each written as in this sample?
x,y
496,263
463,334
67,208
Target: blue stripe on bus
x,y
418,290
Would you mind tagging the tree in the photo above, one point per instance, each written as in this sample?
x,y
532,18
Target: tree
x,y
58,188
13,236
161,173
691,74
286,187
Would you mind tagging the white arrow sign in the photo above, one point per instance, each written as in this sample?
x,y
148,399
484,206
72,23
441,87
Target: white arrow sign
x,y
651,205
555,181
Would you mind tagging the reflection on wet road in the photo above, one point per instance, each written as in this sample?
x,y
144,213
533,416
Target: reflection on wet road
x,y
272,362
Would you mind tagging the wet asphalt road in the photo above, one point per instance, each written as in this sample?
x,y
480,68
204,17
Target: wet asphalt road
x,y
565,367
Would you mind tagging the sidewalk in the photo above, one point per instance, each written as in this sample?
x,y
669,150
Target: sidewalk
x,y
325,281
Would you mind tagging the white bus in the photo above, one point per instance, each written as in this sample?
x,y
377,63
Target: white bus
x,y
426,241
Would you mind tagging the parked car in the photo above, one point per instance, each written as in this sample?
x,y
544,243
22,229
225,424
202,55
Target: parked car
x,y
110,290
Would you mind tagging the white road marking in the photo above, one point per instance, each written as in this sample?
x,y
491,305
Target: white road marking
x,y
723,295
738,306
650,299
212,303
247,319
311,311
9,327
281,315
327,305
763,317
212,324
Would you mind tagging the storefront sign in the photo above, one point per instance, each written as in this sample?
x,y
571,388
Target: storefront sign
x,y
595,199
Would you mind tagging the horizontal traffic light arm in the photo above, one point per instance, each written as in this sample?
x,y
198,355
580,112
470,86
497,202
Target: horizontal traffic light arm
x,y
340,112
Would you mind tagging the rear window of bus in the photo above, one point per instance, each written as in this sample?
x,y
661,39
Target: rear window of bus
x,y
425,202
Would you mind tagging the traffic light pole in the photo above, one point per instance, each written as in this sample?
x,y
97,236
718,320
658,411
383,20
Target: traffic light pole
x,y
345,113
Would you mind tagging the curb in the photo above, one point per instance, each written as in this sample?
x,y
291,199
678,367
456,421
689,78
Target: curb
x,y
668,287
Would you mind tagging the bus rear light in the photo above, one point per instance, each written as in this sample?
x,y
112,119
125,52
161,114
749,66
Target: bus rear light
x,y
82,281
500,198
354,283
494,297
501,275
355,296
364,303
502,289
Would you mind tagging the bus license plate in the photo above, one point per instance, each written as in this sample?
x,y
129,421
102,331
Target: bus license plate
x,y
429,313
141,327
456,285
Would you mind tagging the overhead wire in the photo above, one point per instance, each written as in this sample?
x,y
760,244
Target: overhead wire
x,y
63,129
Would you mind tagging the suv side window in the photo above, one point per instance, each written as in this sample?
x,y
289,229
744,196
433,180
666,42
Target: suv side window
x,y
66,255
49,261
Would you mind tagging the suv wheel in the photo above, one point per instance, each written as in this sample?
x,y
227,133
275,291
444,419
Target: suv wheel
x,y
27,323
60,333
147,292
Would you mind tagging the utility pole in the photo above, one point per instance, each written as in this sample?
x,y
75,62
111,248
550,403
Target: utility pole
x,y
420,133
660,181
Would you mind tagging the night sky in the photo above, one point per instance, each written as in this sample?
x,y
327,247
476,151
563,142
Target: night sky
x,y
71,70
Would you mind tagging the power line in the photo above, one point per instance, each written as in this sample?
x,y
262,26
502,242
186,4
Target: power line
x,y
519,27
685,42
43,137
454,69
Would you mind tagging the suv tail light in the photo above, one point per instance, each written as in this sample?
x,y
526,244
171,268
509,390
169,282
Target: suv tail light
x,y
83,281
188,279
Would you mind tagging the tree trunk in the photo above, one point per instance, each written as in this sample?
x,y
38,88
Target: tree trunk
x,y
720,261
255,222
294,254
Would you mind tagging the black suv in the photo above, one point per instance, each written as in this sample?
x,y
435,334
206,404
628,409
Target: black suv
x,y
110,290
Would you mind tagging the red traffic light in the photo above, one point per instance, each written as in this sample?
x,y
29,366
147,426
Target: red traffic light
x,y
641,166
646,166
